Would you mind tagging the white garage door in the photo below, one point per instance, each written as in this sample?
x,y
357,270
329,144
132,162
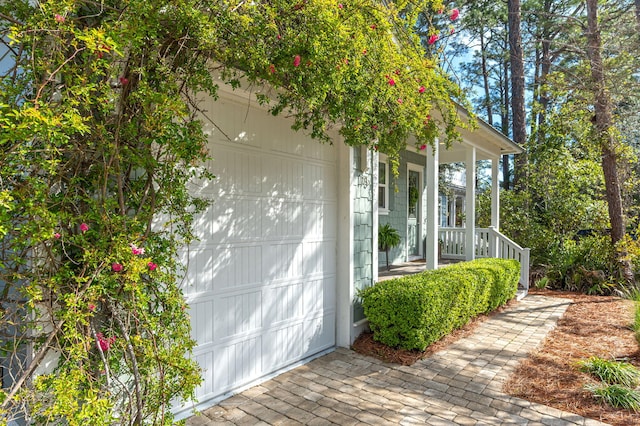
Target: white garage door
x,y
261,282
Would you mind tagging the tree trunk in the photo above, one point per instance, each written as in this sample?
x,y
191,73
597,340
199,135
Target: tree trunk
x,y
638,13
506,101
545,68
517,89
603,123
485,80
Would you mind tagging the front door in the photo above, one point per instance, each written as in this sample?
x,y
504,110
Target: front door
x,y
414,195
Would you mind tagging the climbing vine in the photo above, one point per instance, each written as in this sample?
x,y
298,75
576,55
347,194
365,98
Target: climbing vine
x,y
100,133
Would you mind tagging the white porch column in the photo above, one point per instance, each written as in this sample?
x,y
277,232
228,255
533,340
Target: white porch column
x,y
495,207
375,177
345,291
451,220
470,204
431,226
495,193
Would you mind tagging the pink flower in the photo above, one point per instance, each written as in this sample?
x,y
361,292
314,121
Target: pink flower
x,y
272,69
440,11
373,26
57,235
152,266
455,14
433,38
400,101
423,147
279,37
136,250
105,342
116,267
421,89
91,307
340,6
391,82
296,61
452,30
59,18
84,227
374,127
364,52
124,81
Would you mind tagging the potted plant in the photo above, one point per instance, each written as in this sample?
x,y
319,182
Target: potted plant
x,y
388,238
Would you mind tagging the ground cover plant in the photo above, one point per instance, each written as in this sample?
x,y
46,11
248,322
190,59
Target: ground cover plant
x,y
611,371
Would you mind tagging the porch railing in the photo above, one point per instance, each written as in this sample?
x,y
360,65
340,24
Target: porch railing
x,y
488,243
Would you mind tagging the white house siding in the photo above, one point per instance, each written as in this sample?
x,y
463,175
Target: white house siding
x,y
261,282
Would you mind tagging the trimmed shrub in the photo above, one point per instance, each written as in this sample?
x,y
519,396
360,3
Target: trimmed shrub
x,y
414,311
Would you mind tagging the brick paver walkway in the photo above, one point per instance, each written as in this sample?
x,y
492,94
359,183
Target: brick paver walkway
x,y
460,385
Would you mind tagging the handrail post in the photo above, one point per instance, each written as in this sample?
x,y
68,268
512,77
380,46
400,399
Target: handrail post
x,y
524,268
493,242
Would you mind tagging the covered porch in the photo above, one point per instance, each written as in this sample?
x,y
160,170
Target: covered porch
x,y
424,237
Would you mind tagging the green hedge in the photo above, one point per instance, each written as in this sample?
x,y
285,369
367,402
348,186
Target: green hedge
x,y
416,310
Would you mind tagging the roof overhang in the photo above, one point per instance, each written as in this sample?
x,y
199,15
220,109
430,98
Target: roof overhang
x,y
489,142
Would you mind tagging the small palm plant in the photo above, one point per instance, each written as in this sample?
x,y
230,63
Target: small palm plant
x,y
388,238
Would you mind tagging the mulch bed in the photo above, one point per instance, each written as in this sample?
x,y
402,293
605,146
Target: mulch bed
x,y
591,326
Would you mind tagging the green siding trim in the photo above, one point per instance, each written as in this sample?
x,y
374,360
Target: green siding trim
x,y
363,231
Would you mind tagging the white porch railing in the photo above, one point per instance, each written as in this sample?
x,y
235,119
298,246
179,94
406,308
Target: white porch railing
x,y
488,243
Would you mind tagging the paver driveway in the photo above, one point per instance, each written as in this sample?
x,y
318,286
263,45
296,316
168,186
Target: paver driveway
x,y
460,385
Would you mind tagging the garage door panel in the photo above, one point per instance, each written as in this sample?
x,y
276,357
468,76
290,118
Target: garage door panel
x,y
205,361
237,314
233,220
282,218
319,220
283,346
237,363
318,294
283,261
285,303
202,321
237,173
199,274
319,257
236,267
319,182
320,333
283,178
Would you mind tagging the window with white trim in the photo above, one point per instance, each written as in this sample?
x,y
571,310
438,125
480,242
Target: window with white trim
x,y
383,184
